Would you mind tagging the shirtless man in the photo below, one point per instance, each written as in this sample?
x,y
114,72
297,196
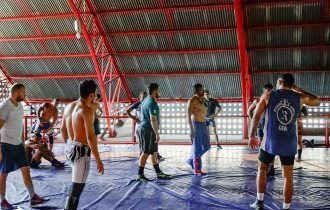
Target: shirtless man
x,y
36,149
47,117
196,112
78,126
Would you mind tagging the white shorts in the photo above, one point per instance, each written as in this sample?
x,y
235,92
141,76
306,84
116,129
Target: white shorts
x,y
80,157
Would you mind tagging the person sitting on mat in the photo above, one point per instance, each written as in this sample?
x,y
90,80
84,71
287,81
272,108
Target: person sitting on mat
x,y
36,149
47,117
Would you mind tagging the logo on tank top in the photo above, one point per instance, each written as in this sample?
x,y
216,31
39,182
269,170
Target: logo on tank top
x,y
284,113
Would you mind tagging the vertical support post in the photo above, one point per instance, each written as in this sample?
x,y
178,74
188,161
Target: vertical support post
x,y
244,63
326,138
93,54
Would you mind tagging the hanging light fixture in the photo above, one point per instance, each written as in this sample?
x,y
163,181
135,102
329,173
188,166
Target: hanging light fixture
x,y
77,28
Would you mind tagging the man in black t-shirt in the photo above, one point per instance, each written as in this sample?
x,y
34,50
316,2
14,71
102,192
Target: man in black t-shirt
x,y
213,109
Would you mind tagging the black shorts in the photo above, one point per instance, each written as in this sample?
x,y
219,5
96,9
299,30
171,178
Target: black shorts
x,y
147,139
267,158
13,158
97,127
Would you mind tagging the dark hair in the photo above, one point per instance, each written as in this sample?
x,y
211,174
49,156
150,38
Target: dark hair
x,y
304,111
98,96
87,87
268,86
288,79
197,87
15,87
152,87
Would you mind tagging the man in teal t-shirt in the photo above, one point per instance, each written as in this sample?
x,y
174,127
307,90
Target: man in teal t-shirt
x,y
148,133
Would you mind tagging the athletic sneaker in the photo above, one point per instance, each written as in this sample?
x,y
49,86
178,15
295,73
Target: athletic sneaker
x,y
57,164
161,175
271,171
6,206
142,178
258,205
219,146
36,200
198,172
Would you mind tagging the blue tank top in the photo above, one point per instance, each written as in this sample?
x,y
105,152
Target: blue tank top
x,y
280,123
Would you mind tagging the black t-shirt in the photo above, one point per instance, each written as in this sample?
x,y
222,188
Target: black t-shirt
x,y
211,105
137,107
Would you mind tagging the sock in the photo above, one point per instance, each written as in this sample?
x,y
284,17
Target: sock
x,y
299,153
74,195
141,169
3,197
286,205
31,191
260,196
157,169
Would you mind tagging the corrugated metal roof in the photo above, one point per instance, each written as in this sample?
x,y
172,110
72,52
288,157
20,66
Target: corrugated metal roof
x,y
51,88
289,36
175,41
285,13
57,46
102,5
194,3
10,8
182,86
49,66
199,62
213,18
308,59
51,26
66,46
319,85
120,4
15,28
21,48
134,21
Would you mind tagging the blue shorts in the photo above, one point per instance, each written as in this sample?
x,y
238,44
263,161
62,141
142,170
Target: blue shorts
x,y
13,158
210,121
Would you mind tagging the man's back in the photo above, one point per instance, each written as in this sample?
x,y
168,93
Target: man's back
x,y
149,106
68,118
48,111
78,122
280,117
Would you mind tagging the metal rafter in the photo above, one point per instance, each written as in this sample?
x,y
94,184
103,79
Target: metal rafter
x,y
93,55
108,48
244,62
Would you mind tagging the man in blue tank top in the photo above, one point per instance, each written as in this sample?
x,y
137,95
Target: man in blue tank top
x,y
282,108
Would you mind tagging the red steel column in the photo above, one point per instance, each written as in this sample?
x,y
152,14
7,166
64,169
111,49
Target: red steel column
x,y
244,62
93,54
109,48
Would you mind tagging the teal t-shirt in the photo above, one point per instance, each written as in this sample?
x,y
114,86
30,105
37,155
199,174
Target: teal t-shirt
x,y
149,107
